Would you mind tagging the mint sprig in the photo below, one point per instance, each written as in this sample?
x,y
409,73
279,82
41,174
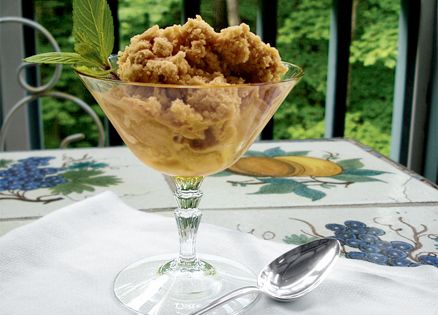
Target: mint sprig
x,y
93,29
67,58
93,32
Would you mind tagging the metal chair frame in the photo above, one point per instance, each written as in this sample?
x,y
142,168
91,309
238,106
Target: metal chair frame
x,y
45,90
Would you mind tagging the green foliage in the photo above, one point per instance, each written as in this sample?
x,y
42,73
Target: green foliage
x,y
377,33
138,15
133,18
303,39
158,10
303,35
308,19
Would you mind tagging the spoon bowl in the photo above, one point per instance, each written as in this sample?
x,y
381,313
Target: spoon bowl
x,y
291,275
300,270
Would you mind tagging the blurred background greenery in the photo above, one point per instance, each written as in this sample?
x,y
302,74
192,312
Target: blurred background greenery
x,y
303,35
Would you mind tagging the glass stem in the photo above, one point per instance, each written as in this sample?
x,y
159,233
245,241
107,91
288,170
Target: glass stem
x,y
188,217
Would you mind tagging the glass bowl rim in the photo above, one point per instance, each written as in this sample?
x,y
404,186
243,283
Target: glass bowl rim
x,y
297,76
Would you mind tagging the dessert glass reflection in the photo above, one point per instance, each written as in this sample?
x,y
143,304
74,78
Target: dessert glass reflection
x,y
187,132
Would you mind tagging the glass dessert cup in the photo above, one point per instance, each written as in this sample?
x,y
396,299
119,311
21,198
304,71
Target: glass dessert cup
x,y
187,133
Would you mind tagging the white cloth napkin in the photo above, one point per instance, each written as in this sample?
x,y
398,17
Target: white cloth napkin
x,y
65,264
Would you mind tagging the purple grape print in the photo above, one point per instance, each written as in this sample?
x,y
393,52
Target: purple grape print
x,y
372,248
25,177
362,242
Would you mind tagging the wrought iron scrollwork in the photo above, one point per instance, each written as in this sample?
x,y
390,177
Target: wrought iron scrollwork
x,y
45,90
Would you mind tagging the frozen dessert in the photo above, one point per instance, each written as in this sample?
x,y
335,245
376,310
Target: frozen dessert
x,y
182,107
194,54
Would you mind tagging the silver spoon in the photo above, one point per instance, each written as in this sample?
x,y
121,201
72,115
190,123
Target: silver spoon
x,y
291,275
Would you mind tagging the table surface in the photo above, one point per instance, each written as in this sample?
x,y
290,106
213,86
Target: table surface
x,y
380,211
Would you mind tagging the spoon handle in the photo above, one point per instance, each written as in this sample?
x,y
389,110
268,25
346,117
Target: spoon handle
x,y
227,297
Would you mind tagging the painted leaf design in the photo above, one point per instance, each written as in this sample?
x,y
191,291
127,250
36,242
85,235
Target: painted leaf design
x,y
284,185
277,180
350,163
91,164
277,151
281,188
4,163
221,174
254,153
355,178
362,172
328,186
297,153
313,194
84,180
296,239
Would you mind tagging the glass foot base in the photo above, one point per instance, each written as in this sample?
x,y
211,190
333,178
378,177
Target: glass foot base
x,y
159,285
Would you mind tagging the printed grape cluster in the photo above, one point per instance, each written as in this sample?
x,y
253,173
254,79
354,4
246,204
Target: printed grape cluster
x,y
372,248
28,174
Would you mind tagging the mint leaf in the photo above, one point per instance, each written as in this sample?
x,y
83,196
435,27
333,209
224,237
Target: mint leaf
x,y
78,62
66,58
93,30
94,72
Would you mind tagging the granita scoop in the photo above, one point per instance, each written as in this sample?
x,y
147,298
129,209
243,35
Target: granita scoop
x,y
191,100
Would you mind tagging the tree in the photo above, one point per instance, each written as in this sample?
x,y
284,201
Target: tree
x,y
303,39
